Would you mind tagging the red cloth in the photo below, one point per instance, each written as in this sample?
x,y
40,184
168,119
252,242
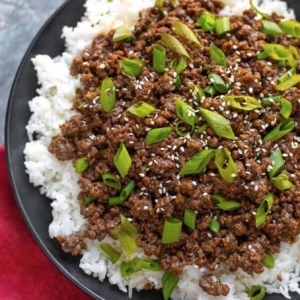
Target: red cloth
x,y
25,271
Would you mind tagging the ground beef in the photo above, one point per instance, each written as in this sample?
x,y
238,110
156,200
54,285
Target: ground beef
x,y
160,193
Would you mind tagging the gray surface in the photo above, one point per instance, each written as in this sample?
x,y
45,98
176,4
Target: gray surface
x,y
20,20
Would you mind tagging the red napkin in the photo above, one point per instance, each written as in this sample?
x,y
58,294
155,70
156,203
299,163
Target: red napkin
x,y
25,271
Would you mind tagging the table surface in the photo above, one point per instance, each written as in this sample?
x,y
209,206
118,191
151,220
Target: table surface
x,y
20,20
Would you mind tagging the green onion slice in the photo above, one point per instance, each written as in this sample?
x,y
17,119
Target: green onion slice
x,y
255,9
81,164
218,124
263,209
169,282
286,105
88,200
122,160
226,165
183,129
132,67
110,253
185,112
171,231
185,32
126,234
207,21
210,91
229,205
280,130
107,94
274,51
198,162
286,75
122,33
189,218
289,83
172,43
202,128
159,4
125,193
257,292
282,182
291,27
159,58
242,102
294,56
178,81
141,109
181,65
217,55
277,163
218,198
269,261
111,180
222,25
198,93
218,83
157,135
271,28
214,225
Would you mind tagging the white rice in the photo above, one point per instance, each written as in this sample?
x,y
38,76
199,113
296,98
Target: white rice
x,y
58,180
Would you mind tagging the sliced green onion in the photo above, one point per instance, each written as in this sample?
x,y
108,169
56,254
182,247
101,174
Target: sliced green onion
x,y
198,93
122,33
185,112
171,231
229,205
218,198
226,165
276,51
151,264
132,67
122,160
181,65
255,9
111,180
157,135
172,43
217,55
286,75
286,105
141,109
185,32
214,225
242,102
289,83
88,200
81,164
125,193
177,81
263,209
280,130
222,25
207,21
294,56
182,130
202,128
269,261
198,162
271,28
128,268
291,27
159,4
210,91
257,292
282,182
126,234
218,124
113,201
159,58
169,282
107,94
189,218
218,83
277,163
110,252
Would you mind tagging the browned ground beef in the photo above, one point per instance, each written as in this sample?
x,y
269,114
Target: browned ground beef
x,y
160,193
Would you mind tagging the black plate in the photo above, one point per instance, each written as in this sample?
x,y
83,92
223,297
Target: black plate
x,y
35,208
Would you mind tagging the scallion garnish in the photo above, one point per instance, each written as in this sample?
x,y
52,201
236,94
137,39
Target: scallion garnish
x,y
222,25
122,33
226,165
271,28
185,32
171,231
293,59
157,135
255,9
282,182
132,67
291,27
286,75
218,124
198,93
269,261
277,163
189,218
242,102
169,282
257,292
110,253
141,109
177,81
172,43
229,205
128,268
198,162
217,55
218,198
218,83
214,225
111,180
210,91
107,94
286,105
185,113
122,160
280,130
263,209
202,128
159,4
125,193
180,65
159,58
126,234
182,130
207,21
88,200
81,164
288,83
